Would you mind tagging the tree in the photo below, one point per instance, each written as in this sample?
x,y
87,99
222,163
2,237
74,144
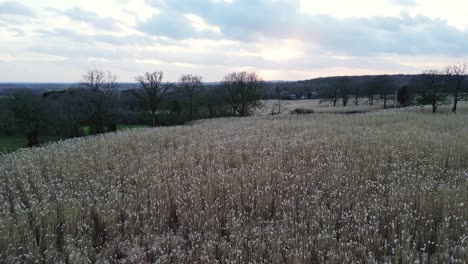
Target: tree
x,y
190,85
404,96
243,92
213,101
455,76
97,90
68,111
430,85
278,105
372,89
385,86
151,92
332,95
7,117
343,88
31,115
356,87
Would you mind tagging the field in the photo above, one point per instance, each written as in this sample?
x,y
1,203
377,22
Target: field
x,y
318,106
386,186
12,143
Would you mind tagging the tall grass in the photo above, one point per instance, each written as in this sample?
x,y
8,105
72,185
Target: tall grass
x,y
380,187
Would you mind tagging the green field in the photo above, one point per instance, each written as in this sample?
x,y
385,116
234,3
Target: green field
x,y
119,127
12,143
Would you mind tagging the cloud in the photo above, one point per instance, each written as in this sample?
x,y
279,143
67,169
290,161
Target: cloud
x,y
392,35
251,20
168,24
91,18
404,2
214,37
15,8
238,20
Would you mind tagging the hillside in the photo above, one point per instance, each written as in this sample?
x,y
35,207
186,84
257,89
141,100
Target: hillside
x,y
384,187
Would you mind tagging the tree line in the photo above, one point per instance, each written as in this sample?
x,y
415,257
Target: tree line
x,y
97,105
432,87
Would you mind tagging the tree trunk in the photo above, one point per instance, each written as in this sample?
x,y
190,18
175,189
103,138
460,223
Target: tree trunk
x,y
153,115
190,109
33,138
434,108
455,102
100,126
211,111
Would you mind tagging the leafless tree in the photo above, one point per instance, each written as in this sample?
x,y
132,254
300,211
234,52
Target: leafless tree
x,y
431,84
243,92
372,89
98,91
151,91
356,87
278,106
332,95
385,85
68,111
32,116
190,85
343,88
454,76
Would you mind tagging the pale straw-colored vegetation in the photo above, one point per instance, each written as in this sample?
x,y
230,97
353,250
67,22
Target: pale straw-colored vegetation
x,y
326,107
367,188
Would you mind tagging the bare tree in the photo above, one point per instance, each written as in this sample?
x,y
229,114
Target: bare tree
x,y
404,96
278,106
430,85
97,90
190,84
331,95
213,102
151,91
455,76
372,88
32,116
356,88
343,87
68,111
385,85
243,92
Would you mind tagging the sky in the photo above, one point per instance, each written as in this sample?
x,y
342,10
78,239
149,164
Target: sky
x,y
59,40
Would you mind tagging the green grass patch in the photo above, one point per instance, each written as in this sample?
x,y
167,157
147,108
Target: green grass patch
x,y
86,129
12,143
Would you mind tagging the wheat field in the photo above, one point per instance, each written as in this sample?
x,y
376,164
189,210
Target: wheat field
x,y
386,187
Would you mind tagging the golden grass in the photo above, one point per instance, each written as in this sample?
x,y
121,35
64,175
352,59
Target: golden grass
x,y
379,187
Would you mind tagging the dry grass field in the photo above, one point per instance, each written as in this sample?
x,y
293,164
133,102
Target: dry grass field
x,y
367,188
318,106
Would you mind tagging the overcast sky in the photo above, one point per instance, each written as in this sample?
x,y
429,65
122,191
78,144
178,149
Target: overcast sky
x,y
58,40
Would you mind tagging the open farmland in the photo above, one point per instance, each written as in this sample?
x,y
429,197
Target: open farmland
x,y
377,187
